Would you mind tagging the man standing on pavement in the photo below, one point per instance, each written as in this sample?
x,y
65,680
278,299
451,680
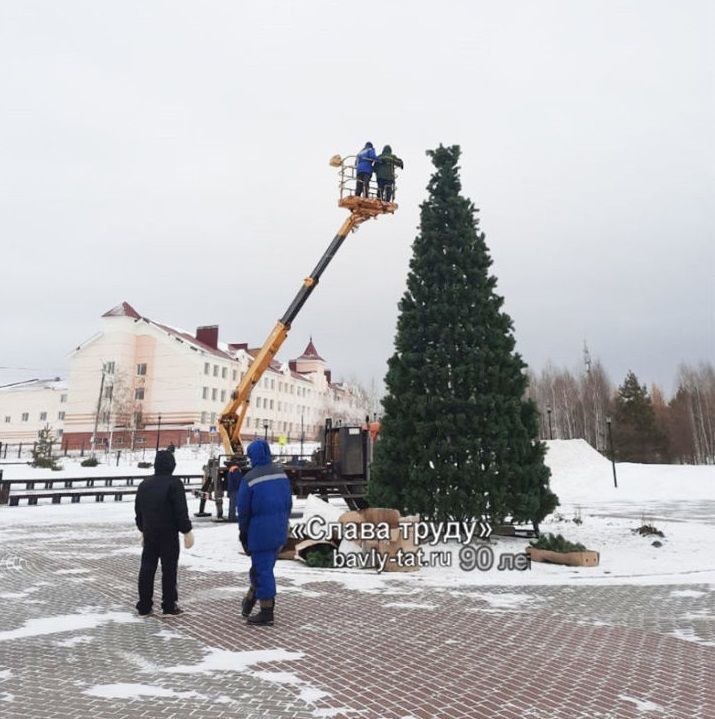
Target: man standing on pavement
x,y
264,504
161,513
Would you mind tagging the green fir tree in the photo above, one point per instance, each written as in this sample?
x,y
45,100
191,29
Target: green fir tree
x,y
457,440
42,451
636,437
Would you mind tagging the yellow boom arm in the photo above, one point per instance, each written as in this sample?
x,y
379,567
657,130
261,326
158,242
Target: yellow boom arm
x,y
231,419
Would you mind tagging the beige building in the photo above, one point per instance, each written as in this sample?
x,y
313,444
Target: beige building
x,y
28,407
137,377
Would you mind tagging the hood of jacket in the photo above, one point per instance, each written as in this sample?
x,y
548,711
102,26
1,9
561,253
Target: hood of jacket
x,y
164,462
259,452
387,150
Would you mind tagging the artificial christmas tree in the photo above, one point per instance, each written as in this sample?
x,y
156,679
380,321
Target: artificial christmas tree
x,y
457,440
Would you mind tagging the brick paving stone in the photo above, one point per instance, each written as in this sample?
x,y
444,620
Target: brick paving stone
x,y
565,653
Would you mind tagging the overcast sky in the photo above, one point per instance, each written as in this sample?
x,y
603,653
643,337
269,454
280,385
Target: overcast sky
x,y
175,155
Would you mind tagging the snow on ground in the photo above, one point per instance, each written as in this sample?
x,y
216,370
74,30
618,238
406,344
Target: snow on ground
x,y
189,460
678,499
227,661
138,691
66,623
642,705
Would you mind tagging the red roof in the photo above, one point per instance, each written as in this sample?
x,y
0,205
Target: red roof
x,y
310,353
123,310
191,340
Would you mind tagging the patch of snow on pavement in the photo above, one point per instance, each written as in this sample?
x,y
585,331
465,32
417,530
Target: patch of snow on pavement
x,y
74,641
308,693
65,623
642,705
410,605
687,593
499,600
327,713
228,661
137,691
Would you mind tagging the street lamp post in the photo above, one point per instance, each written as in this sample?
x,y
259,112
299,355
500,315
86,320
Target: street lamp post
x,y
613,455
265,431
158,434
551,429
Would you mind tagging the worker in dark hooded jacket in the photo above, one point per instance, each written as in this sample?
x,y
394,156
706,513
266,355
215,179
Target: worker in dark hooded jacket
x,y
365,161
161,513
264,504
385,173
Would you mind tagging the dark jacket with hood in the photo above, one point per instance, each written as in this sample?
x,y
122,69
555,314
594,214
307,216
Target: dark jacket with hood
x,y
160,504
385,164
264,501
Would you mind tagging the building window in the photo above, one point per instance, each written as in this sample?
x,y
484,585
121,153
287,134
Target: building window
x,y
213,417
214,394
271,404
205,393
223,395
108,392
137,419
234,375
43,416
109,367
215,370
207,367
60,415
59,433
204,417
141,369
105,418
25,416
7,419
224,372
273,384
139,393
63,398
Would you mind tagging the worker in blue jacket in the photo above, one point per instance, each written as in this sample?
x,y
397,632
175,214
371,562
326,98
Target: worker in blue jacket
x,y
264,504
365,160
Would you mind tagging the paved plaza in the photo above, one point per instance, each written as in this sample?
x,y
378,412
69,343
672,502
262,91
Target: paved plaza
x,y
70,645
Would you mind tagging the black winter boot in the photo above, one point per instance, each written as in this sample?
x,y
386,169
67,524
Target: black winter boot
x,y
264,618
249,601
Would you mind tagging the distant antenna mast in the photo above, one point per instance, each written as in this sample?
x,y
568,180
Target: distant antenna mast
x,y
586,357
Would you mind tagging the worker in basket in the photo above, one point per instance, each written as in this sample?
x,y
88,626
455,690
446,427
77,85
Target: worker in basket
x,y
365,161
385,173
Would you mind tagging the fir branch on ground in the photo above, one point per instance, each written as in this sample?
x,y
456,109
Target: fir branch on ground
x,y
556,543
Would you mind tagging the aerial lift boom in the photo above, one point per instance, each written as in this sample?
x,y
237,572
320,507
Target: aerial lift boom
x,y
361,209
